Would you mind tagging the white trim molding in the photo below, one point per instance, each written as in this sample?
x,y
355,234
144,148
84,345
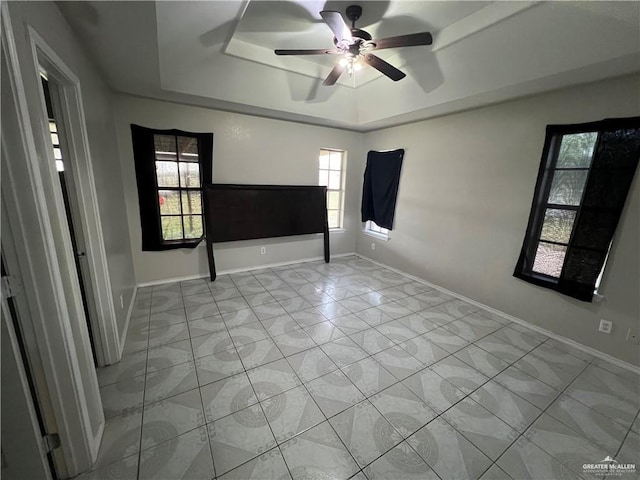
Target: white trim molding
x,y
567,341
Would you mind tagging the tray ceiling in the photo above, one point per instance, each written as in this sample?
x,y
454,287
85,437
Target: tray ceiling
x,y
220,54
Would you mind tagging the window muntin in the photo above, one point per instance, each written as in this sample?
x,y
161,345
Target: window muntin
x,y
332,165
177,170
372,227
568,173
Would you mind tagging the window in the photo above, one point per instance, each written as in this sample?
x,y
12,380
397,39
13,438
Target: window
x,y
178,182
171,167
584,177
331,174
372,228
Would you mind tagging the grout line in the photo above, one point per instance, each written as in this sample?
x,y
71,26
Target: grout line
x,y
368,355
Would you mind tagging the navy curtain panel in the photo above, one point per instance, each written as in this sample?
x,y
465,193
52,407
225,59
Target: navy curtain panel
x,y
380,188
145,163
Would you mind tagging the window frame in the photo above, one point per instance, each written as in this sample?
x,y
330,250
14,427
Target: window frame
x,y
610,173
144,153
373,229
342,190
179,189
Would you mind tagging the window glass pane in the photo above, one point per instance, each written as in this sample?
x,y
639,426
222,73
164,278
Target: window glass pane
x,y
165,146
567,186
169,201
189,174
333,200
335,160
334,218
557,225
52,126
334,180
324,159
172,228
549,259
192,226
54,139
57,153
191,202
323,177
167,173
188,149
576,150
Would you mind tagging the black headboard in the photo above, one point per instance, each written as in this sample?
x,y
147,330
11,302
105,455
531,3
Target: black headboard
x,y
244,212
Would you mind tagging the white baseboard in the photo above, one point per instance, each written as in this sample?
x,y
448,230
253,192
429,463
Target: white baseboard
x,y
572,343
239,270
127,321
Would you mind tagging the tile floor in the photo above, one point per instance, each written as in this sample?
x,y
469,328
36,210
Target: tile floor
x,y
349,370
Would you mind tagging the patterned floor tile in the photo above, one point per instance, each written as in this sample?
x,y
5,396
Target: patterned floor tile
x,y
460,374
562,443
132,365
495,473
525,386
446,451
248,333
170,381
122,397
369,376
400,463
343,351
434,390
424,350
371,341
418,323
227,396
291,413
171,417
506,405
592,425
403,409
334,393
273,377
222,364
553,373
486,431
473,327
524,460
365,432
398,362
186,456
446,340
481,360
258,353
268,465
318,453
239,437
311,364
121,438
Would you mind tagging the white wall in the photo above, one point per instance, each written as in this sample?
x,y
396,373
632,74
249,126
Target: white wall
x,y
249,150
47,20
464,201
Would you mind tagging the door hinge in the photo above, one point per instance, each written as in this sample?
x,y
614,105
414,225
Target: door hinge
x,y
51,442
11,286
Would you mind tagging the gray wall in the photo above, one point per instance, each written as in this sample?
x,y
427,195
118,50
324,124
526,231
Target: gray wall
x,y
246,149
464,201
97,100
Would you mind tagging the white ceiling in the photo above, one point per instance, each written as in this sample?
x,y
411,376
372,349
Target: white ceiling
x,y
220,54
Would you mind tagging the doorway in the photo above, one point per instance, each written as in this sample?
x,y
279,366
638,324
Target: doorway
x,y
58,139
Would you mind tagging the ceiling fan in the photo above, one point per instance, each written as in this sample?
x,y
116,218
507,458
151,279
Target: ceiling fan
x,y
355,45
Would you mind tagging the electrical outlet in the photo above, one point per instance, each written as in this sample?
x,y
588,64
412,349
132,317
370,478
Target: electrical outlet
x,y
373,246
121,301
605,326
263,250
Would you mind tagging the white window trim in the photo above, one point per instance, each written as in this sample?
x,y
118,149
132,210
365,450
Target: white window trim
x,y
343,174
371,233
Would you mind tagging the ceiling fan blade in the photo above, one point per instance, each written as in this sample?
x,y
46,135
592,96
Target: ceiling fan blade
x,y
410,40
334,75
386,68
306,52
337,25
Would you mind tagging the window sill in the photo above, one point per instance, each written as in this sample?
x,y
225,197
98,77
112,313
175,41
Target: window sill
x,y
379,236
337,230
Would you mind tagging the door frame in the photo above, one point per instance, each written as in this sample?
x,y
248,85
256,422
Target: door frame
x,y
67,99
54,310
